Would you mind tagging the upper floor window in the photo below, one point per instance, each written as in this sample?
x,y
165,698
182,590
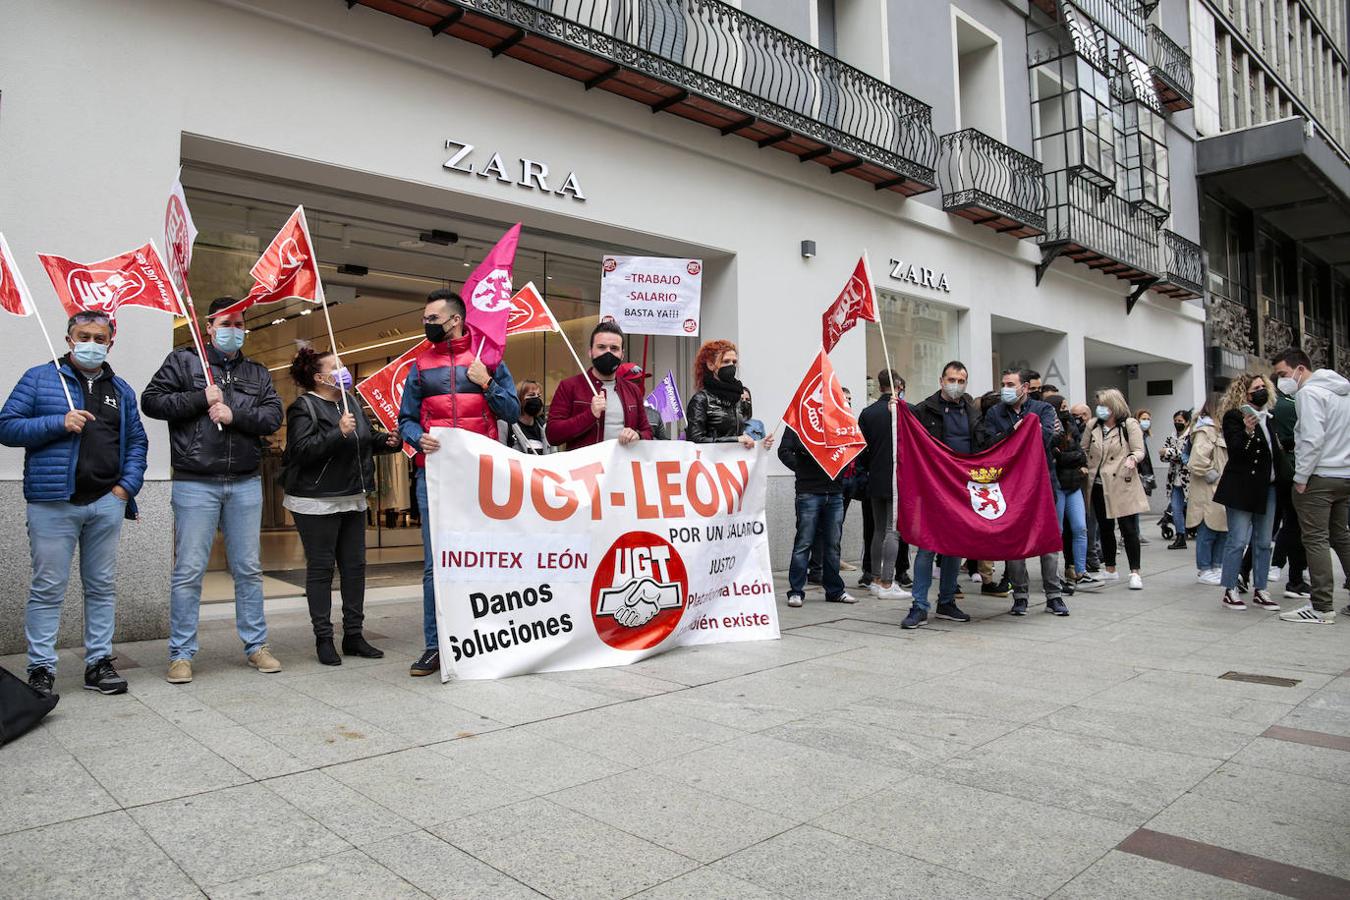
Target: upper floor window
x,y
979,77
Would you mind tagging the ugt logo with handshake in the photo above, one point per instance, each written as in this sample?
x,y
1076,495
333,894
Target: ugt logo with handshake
x,y
638,602
638,592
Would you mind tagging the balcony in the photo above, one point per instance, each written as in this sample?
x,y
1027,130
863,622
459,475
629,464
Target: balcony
x,y
991,184
1183,268
708,62
1170,66
1124,20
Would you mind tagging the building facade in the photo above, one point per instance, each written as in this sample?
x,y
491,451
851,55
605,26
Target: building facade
x,y
1020,173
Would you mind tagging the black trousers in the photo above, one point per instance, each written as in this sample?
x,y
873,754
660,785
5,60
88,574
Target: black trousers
x,y
335,539
1106,531
867,539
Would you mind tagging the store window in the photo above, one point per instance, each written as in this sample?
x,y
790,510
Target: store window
x,y
921,337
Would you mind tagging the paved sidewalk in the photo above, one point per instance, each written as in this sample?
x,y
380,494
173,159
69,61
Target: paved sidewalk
x,y
1095,756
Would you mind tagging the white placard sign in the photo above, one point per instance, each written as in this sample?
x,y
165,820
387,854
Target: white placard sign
x,y
651,294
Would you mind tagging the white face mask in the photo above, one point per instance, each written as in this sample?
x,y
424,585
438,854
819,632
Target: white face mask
x,y
1287,386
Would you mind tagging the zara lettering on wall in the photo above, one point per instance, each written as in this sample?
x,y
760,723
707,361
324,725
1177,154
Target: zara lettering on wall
x,y
929,278
527,173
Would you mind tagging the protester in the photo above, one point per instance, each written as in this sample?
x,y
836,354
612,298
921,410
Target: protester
x,y
1083,416
447,386
1115,449
328,468
1321,476
1206,461
216,434
1145,419
820,510
526,434
1288,535
1048,392
596,405
877,461
719,410
1070,507
851,480
1174,453
82,469
951,416
1015,404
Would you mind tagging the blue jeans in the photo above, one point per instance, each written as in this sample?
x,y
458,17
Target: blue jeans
x,y
54,530
1071,504
428,575
1179,511
199,508
1249,528
923,578
817,514
1209,547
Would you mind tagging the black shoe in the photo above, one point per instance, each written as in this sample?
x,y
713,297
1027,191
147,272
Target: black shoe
x,y
864,581
1178,544
355,645
1094,567
1057,607
1066,588
40,680
996,589
915,619
1019,608
429,663
102,677
905,581
328,654
952,612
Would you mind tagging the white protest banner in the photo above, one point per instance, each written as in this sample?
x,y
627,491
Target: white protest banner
x,y
651,294
594,557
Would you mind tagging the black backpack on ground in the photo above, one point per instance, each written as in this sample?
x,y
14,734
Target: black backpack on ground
x,y
21,707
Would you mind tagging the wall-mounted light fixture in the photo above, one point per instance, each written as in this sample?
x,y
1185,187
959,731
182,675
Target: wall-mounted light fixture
x,y
808,249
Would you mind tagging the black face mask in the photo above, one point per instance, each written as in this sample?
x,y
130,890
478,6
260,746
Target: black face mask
x,y
726,373
745,409
1260,397
1034,395
533,406
434,332
605,363
1179,426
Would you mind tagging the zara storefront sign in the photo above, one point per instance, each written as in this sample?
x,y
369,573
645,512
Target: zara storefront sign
x,y
528,173
929,278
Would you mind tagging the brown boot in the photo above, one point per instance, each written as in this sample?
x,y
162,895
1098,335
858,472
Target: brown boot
x,y
263,660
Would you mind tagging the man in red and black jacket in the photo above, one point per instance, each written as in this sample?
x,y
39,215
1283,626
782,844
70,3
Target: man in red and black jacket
x,y
602,404
447,386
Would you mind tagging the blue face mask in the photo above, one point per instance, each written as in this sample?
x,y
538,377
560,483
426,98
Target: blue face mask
x,y
1103,413
228,340
1008,395
89,355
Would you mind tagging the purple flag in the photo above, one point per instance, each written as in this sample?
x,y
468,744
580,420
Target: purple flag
x,y
666,399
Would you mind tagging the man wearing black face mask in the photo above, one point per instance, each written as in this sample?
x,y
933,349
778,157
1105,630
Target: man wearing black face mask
x,y
598,406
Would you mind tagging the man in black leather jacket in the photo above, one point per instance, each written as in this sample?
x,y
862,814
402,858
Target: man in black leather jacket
x,y
216,437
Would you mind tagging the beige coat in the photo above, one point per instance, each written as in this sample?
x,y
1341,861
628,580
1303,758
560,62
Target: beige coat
x,y
1106,452
1209,453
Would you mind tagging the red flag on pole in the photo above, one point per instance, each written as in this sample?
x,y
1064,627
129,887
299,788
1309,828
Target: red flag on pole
x,y
819,414
136,278
179,236
857,301
529,313
14,295
287,269
384,390
487,298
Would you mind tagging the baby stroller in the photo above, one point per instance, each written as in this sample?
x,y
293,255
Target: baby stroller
x,y
1166,525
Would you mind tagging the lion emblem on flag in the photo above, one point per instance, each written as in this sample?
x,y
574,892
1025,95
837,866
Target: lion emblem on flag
x,y
986,497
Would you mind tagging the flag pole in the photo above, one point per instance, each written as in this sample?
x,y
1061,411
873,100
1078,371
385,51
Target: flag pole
x,y
886,354
190,313
56,360
557,326
332,342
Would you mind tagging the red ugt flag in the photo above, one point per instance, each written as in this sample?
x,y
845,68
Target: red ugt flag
x,y
858,300
529,313
14,295
287,269
487,299
136,278
179,236
384,390
819,415
992,505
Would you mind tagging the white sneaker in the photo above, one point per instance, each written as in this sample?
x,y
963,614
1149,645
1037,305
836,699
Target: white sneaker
x,y
1233,600
976,579
1309,615
1211,576
845,597
874,588
894,592
1276,573
794,600
1110,576
1136,583
1296,592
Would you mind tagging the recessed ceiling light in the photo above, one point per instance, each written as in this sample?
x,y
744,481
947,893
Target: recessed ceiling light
x,y
306,312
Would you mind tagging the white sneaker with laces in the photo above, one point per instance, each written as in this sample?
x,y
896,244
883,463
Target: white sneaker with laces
x,y
1233,600
1276,573
1308,615
1211,576
794,600
894,592
1136,582
1110,576
874,588
1262,599
845,597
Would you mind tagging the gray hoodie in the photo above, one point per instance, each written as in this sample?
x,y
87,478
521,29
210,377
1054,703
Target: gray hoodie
x,y
1322,436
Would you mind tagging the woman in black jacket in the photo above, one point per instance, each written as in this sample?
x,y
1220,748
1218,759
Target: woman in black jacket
x,y
1247,487
329,468
720,408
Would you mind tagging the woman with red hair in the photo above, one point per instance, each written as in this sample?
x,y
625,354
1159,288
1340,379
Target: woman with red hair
x,y
720,409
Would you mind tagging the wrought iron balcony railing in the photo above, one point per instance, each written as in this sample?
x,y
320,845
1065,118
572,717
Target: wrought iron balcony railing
x,y
1183,267
991,184
1124,20
710,62
1170,66
1099,229
1230,324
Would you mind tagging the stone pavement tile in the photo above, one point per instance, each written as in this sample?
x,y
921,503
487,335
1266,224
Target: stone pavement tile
x,y
426,788
1252,828
781,777
525,758
563,854
1313,718
1213,737
43,783
1124,876
1011,701
641,731
1091,775
854,734
139,773
513,701
706,884
1285,756
421,720
691,822
1144,696
903,714
716,662
119,719
1012,842
252,705
348,814
249,752
907,658
1286,792
808,862
217,837
442,870
99,856
321,879
615,682
1188,683
343,687
338,737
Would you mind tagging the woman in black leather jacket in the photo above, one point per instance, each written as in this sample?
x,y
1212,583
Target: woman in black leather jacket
x,y
329,468
720,408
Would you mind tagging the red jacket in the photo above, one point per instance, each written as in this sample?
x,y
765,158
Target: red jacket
x,y
570,421
438,392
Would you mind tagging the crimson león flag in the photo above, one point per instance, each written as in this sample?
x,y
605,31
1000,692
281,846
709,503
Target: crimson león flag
x,y
136,278
857,301
992,505
820,416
